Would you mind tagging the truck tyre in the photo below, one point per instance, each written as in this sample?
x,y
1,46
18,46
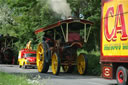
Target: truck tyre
x,y
122,76
82,64
20,66
42,65
24,66
55,64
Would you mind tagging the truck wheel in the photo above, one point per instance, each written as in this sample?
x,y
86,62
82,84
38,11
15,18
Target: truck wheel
x,y
122,76
20,66
55,64
82,64
42,66
68,69
24,66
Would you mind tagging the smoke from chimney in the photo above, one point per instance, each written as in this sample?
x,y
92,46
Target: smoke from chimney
x,y
61,7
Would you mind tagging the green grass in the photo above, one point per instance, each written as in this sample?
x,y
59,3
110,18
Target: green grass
x,y
11,79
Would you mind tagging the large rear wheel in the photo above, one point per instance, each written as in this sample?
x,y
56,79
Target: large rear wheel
x,y
55,64
122,76
42,65
82,64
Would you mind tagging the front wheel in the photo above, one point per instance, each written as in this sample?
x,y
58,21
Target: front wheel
x,y
24,66
42,65
55,64
20,66
122,76
82,64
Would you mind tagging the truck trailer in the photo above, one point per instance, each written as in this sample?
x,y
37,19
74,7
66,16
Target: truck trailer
x,y
114,40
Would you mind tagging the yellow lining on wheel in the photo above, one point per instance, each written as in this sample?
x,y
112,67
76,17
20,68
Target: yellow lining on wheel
x,y
54,63
81,63
40,57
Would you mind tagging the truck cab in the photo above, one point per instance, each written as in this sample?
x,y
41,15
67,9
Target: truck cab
x,y
27,58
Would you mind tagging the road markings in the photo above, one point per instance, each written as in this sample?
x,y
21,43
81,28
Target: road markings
x,y
95,83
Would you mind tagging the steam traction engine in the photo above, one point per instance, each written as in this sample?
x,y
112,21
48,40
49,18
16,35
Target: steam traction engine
x,y
60,44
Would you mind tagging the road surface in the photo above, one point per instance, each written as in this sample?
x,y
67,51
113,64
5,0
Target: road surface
x,y
62,79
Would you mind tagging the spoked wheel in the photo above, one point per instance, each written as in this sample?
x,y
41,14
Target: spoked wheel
x,y
42,65
68,69
122,76
55,64
82,64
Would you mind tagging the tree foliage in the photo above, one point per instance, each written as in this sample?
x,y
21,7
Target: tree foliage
x,y
91,11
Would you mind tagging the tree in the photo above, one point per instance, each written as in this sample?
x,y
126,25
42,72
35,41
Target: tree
x,y
91,11
27,16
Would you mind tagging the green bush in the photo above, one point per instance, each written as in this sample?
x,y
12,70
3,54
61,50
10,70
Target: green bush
x,y
93,63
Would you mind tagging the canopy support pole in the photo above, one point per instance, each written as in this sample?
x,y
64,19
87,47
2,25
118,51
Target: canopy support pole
x,y
67,32
63,33
85,40
89,32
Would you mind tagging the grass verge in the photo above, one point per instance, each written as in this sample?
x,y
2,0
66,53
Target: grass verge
x,y
11,79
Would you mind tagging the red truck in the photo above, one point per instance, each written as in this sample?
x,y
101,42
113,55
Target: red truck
x,y
27,57
114,40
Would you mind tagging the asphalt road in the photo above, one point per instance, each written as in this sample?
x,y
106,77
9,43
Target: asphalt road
x,y
61,79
